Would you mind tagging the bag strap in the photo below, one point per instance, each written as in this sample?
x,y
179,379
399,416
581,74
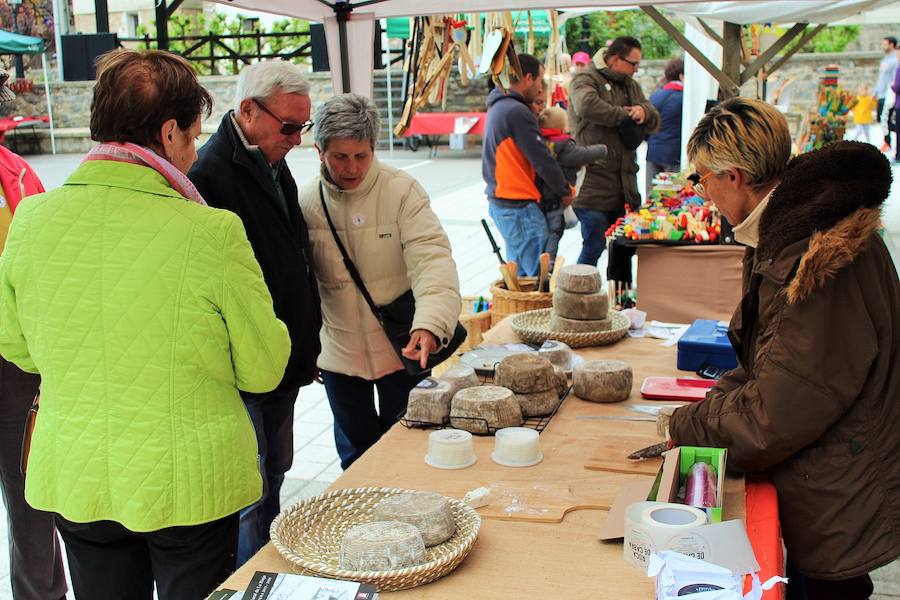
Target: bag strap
x,y
351,268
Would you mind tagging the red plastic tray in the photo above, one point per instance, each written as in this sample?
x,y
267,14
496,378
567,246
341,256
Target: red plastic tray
x,y
676,388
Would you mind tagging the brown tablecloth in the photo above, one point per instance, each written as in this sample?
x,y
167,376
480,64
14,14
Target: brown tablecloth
x,y
515,559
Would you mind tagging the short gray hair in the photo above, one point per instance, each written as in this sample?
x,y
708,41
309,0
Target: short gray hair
x,y
347,116
263,79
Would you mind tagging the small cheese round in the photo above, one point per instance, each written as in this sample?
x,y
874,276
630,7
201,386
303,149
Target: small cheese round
x,y
538,404
562,324
427,511
525,373
429,402
557,352
382,546
562,380
460,377
579,279
603,380
484,407
581,306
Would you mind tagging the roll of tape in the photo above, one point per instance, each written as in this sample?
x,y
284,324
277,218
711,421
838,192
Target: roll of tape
x,y
657,526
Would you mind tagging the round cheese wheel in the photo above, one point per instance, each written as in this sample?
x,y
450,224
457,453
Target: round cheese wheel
x,y
429,512
525,373
603,380
484,407
429,402
382,546
559,323
538,404
557,352
579,279
460,377
562,380
593,305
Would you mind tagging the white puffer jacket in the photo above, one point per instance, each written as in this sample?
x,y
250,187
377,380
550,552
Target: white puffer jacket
x,y
397,243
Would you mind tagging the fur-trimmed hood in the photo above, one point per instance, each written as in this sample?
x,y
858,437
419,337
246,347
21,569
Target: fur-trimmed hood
x,y
833,198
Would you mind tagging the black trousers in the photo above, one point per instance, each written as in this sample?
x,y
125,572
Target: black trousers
x,y
801,587
110,562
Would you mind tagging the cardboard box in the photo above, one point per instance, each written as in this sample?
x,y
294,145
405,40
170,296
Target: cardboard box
x,y
676,466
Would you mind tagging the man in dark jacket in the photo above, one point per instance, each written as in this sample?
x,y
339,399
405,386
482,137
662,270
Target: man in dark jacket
x,y
815,401
609,108
241,168
664,146
512,154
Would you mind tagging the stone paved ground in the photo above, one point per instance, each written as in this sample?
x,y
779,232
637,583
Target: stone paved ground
x,y
453,180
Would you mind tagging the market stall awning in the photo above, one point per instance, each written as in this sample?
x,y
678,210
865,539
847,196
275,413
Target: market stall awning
x,y
15,43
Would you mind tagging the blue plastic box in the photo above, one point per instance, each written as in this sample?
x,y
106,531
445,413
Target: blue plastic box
x,y
705,342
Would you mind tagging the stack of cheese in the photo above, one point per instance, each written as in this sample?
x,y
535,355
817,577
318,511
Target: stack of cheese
x,y
579,305
404,525
533,381
429,402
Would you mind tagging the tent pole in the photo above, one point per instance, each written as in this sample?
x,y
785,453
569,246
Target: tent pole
x,y
803,41
342,12
390,101
754,67
58,21
49,102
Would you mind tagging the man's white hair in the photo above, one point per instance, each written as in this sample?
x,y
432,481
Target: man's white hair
x,y
263,79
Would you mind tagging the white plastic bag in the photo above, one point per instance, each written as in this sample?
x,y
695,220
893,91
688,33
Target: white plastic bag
x,y
682,577
569,217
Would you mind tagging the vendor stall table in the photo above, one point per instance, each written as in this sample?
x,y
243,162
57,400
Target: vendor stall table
x,y
519,559
432,125
678,284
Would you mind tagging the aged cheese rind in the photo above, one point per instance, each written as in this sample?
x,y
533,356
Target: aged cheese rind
x,y
491,404
538,404
581,306
562,324
562,381
382,546
427,511
460,377
525,373
559,353
603,380
579,279
429,402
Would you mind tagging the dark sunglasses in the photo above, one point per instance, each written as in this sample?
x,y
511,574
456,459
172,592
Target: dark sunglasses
x,y
636,64
287,127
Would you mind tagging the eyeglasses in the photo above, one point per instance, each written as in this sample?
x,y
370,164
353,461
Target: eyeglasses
x,y
699,188
636,64
287,127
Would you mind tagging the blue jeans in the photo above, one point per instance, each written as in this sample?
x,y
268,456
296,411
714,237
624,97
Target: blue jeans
x,y
525,232
594,224
556,225
352,399
273,419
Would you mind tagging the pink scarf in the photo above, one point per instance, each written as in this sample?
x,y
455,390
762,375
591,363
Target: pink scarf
x,y
139,155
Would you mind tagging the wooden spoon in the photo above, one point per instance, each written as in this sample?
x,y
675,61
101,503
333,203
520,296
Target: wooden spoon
x,y
513,269
557,265
545,271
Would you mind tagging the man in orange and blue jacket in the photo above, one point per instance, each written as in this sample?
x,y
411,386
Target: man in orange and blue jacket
x,y
513,152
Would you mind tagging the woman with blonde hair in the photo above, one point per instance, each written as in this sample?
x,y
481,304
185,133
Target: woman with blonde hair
x,y
813,403
144,311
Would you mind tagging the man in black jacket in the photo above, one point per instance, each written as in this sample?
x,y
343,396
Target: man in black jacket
x,y
241,168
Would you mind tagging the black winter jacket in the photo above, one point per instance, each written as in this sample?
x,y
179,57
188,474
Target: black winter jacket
x,y
227,177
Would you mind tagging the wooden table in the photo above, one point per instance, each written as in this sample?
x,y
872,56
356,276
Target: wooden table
x,y
515,559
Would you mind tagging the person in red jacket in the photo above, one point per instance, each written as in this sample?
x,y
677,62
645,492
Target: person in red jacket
x,y
35,560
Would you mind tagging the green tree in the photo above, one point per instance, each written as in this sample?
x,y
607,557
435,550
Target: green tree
x,y
608,25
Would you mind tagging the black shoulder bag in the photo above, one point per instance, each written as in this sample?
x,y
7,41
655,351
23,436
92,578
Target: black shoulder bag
x,y
631,133
396,317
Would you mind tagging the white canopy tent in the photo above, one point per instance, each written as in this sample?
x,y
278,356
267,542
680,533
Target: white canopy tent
x,y
349,24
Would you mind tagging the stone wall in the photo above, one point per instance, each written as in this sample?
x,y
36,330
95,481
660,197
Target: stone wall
x,y
72,100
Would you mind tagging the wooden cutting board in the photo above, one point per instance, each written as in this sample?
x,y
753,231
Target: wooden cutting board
x,y
548,502
612,451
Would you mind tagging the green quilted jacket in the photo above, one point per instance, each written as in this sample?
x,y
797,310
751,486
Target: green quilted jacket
x,y
144,314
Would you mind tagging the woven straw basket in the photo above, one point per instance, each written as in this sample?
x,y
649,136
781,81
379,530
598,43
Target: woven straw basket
x,y
475,323
534,327
507,303
309,534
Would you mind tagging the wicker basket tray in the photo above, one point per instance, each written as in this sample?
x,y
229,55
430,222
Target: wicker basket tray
x,y
506,302
308,535
534,327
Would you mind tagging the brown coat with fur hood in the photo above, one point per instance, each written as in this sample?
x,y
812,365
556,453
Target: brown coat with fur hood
x,y
815,400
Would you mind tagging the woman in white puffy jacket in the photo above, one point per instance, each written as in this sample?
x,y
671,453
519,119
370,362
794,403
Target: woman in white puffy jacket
x,y
384,220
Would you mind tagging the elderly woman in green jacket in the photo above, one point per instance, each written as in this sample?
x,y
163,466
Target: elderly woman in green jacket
x,y
144,311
